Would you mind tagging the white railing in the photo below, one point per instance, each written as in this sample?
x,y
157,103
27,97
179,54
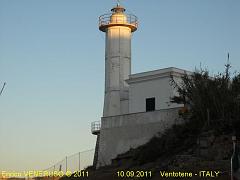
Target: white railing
x,y
106,20
95,127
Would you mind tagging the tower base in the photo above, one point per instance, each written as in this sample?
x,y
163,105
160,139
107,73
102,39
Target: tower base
x,y
120,133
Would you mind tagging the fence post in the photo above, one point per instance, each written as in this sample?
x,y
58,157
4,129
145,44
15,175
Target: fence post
x,y
79,165
66,163
53,172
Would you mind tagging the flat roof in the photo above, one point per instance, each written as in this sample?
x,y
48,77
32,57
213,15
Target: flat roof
x,y
159,73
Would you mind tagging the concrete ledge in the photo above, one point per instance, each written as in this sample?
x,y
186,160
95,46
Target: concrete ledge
x,y
120,133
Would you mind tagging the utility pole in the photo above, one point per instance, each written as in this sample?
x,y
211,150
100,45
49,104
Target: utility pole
x,y
2,88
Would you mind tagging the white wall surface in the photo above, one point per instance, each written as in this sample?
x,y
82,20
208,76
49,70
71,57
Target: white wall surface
x,y
159,88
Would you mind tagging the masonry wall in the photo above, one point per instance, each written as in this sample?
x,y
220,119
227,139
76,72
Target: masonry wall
x,y
120,133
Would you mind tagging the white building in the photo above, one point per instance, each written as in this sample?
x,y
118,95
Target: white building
x,y
136,106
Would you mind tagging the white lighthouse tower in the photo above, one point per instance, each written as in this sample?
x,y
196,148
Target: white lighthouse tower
x,y
136,106
118,27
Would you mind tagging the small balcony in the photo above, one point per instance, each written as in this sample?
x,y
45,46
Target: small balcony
x,y
95,127
108,20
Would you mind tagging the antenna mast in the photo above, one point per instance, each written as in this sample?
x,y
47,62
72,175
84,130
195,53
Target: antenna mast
x,y
118,2
2,88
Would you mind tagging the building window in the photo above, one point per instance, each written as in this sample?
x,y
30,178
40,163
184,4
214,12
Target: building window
x,y
150,104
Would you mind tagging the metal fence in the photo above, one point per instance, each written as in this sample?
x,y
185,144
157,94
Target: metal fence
x,y
107,19
75,162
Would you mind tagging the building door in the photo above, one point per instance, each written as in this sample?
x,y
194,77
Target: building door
x,y
150,104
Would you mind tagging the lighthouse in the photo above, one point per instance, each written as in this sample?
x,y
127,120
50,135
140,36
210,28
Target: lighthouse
x,y
118,28
137,106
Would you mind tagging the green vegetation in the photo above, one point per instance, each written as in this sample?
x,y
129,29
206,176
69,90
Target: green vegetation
x,y
213,102
210,104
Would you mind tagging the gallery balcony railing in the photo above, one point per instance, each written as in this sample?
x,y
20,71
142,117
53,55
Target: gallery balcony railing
x,y
95,127
108,20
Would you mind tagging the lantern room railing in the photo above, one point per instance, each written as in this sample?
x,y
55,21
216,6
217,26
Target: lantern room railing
x,y
106,20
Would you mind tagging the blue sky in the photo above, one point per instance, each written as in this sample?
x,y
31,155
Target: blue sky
x,y
52,58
